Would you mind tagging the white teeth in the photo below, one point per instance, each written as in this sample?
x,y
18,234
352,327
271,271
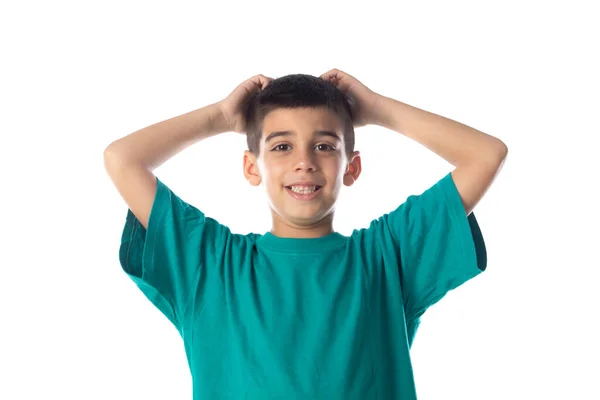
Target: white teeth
x,y
303,189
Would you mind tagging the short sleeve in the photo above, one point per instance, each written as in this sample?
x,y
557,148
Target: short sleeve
x,y
440,246
166,260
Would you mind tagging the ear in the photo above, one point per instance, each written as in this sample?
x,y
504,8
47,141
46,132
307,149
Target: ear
x,y
353,169
251,172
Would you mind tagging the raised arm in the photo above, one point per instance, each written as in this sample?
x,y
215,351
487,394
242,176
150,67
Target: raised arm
x,y
130,160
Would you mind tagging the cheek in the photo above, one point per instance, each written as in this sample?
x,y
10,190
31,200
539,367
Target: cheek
x,y
274,175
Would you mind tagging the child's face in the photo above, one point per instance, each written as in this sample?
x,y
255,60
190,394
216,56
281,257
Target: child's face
x,y
302,155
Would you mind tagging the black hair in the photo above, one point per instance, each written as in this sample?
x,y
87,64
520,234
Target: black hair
x,y
294,91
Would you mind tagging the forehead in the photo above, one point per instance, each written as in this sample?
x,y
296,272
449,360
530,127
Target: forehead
x,y
302,121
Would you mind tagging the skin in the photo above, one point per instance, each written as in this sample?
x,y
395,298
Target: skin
x,y
302,156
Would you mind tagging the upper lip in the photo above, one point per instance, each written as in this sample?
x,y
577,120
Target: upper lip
x,y
304,183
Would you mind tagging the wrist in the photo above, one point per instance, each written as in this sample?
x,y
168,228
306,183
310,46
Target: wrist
x,y
219,120
379,109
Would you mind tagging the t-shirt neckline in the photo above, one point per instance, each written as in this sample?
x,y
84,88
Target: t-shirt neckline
x,y
302,245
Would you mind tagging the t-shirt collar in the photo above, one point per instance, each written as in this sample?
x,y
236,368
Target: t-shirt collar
x,y
302,245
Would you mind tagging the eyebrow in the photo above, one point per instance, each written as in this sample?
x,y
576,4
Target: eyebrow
x,y
273,135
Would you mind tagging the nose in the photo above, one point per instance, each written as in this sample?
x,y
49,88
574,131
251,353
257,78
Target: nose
x,y
305,160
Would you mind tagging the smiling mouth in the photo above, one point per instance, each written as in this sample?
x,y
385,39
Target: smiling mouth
x,y
317,187
304,195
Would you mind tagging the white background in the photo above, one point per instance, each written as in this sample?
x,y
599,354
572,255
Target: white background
x,y
76,76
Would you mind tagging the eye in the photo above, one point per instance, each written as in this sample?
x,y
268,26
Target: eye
x,y
278,146
328,146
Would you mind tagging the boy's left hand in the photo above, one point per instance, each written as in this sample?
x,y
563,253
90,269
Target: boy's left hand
x,y
365,100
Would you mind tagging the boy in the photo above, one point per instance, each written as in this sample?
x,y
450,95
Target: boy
x,y
302,312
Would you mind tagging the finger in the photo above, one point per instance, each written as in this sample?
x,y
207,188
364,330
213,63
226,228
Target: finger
x,y
327,77
268,80
330,73
263,81
333,74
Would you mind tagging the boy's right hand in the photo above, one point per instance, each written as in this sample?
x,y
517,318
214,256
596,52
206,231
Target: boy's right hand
x,y
232,107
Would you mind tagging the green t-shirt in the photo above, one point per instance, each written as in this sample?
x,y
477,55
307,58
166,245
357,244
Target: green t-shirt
x,y
264,317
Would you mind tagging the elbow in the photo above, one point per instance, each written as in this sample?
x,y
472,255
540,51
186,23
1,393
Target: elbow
x,y
113,157
499,151
503,149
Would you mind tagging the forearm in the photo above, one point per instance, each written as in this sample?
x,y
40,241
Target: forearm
x,y
451,140
155,144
